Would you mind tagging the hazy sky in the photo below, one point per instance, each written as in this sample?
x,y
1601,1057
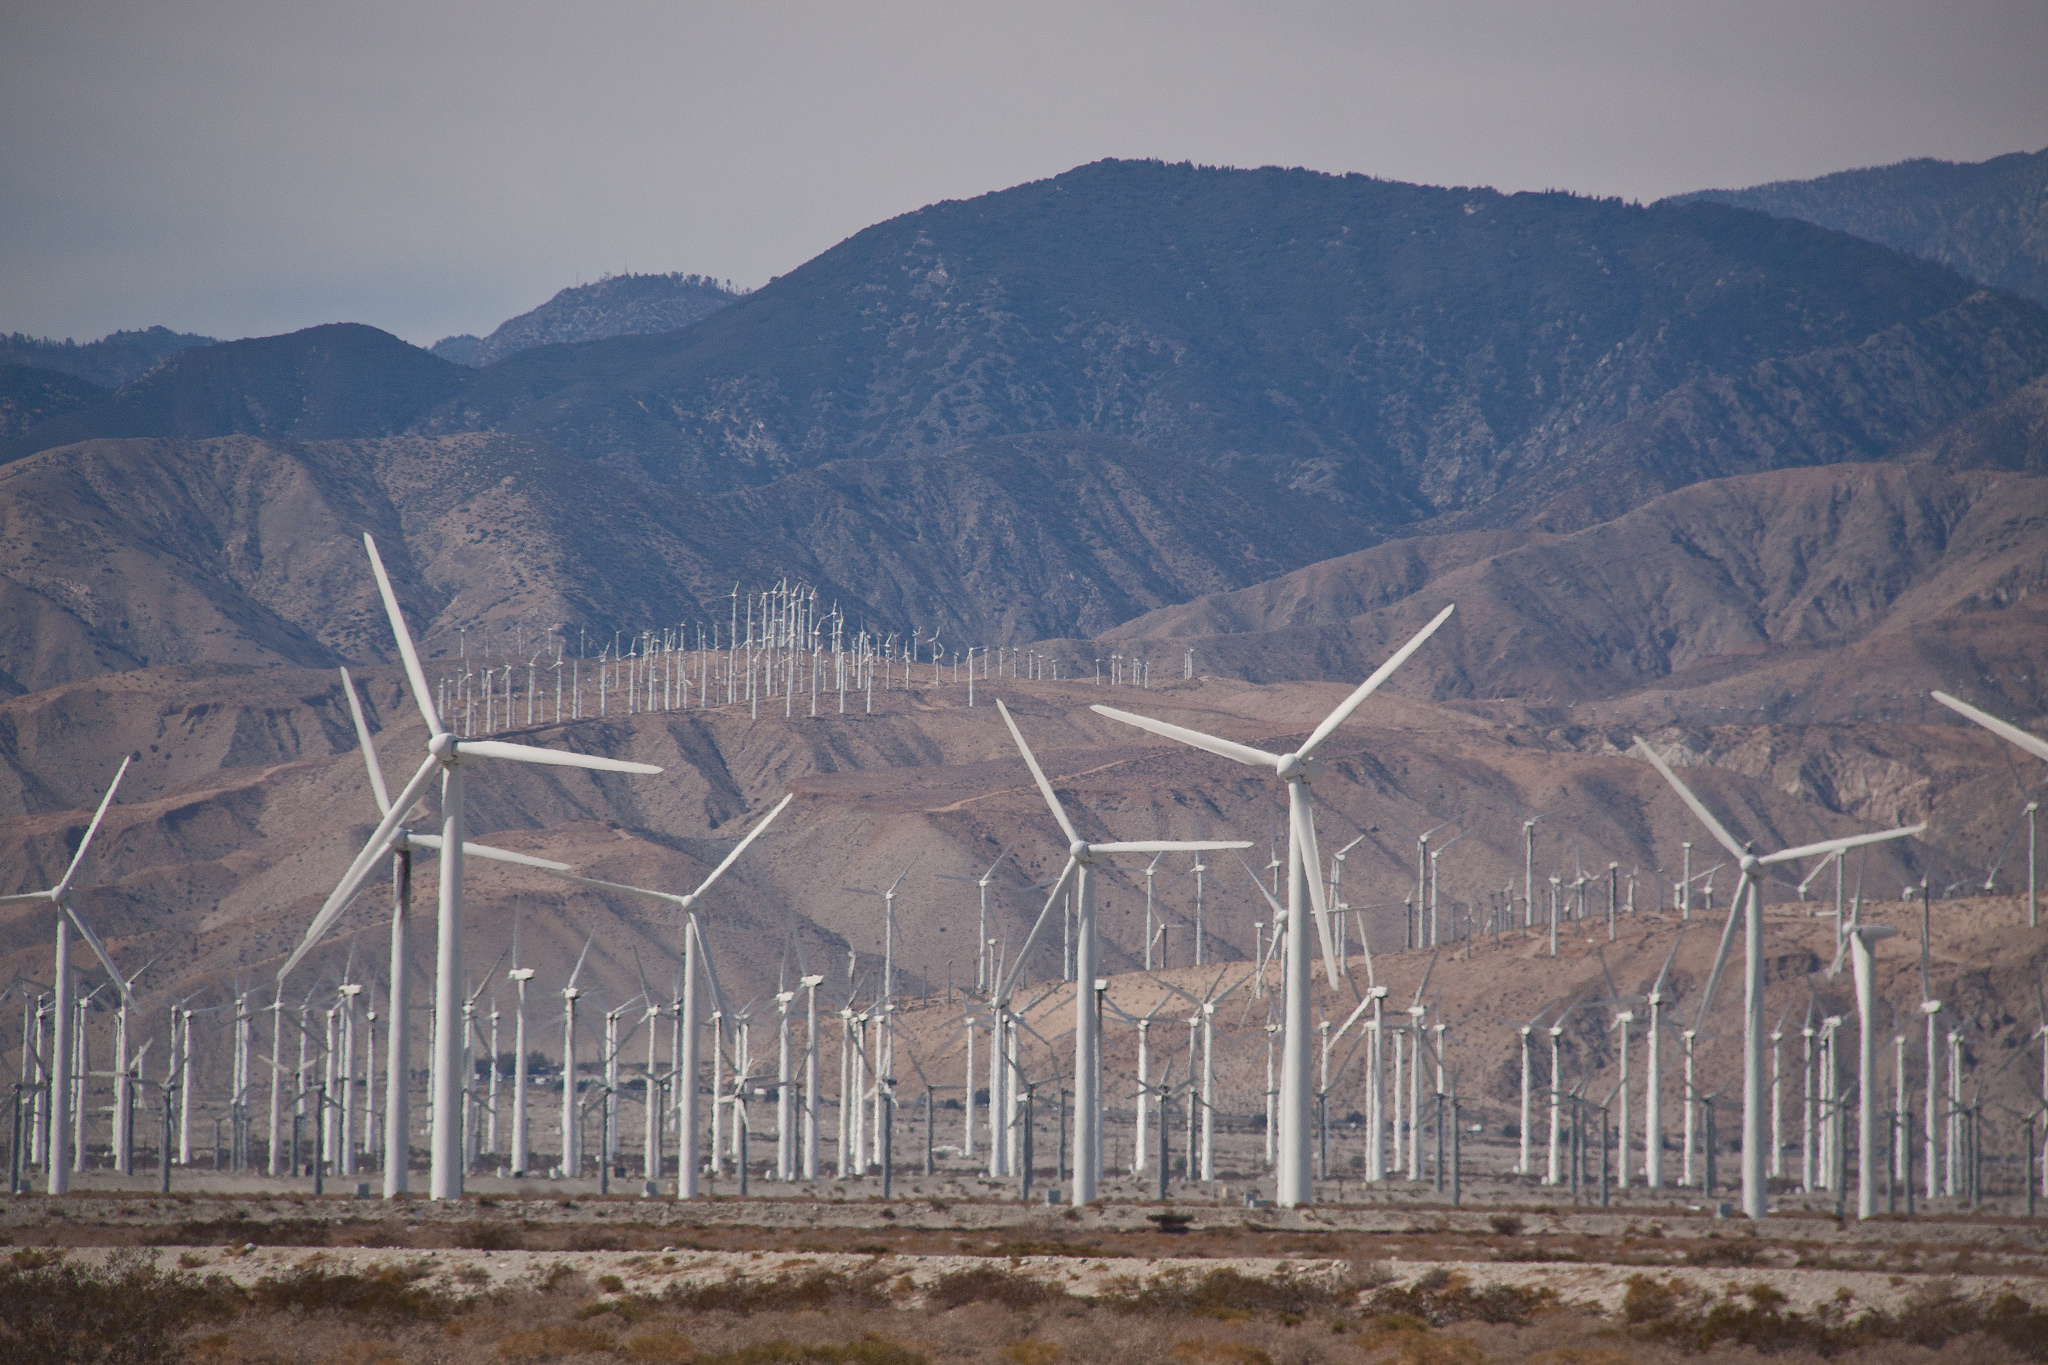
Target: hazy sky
x,y
247,168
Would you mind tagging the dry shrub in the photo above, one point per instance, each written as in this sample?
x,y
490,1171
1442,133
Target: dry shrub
x,y
1220,1293
486,1234
1433,1349
1442,1297
1582,1355
1760,1321
814,1290
381,1293
661,1348
991,1284
1032,1351
870,1349
545,1343
125,1312
1218,1351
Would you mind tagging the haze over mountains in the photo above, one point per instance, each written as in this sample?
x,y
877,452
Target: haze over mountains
x,y
617,305
1748,484
1987,220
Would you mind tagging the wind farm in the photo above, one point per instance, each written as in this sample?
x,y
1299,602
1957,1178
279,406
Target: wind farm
x,y
1157,763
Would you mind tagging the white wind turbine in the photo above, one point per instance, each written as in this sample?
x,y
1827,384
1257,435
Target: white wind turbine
x,y
402,844
572,1128
1081,864
1304,891
1747,910
446,757
62,1043
2032,744
984,881
686,1081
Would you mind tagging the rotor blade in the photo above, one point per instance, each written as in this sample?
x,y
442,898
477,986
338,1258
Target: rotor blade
x,y
1706,817
1059,889
378,844
710,968
1164,846
1278,914
2033,744
559,758
422,695
900,876
355,711
1038,775
1311,860
1665,970
1736,910
1428,972
64,883
1371,685
1222,748
99,949
496,855
741,846
578,970
26,896
621,886
1838,845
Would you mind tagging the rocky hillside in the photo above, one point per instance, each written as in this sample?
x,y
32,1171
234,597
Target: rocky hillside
x,y
110,362
618,305
1987,220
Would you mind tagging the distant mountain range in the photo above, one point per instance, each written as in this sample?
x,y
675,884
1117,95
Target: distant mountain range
x,y
617,305
110,362
1986,220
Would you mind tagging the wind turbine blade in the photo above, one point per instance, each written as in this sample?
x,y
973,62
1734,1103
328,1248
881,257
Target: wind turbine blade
x,y
1706,817
378,844
1664,971
1427,973
64,883
1841,845
620,886
25,897
1059,889
710,968
1165,846
901,875
1038,775
355,712
1737,908
496,855
99,949
741,846
1371,685
1222,748
422,695
1279,915
559,758
1311,859
578,971
2033,744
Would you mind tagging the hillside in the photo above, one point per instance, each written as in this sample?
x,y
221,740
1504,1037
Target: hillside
x,y
336,381
29,396
1987,220
1404,352
618,305
110,362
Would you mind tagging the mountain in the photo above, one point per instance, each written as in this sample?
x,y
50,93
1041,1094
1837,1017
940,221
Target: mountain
x,y
617,305
340,380
30,396
1409,353
1987,220
110,362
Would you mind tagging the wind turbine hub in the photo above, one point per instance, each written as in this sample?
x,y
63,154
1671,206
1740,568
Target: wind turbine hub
x,y
441,745
1079,851
1750,863
690,901
1292,769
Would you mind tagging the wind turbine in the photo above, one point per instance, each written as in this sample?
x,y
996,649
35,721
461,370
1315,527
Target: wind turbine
x,y
1748,911
2032,744
572,1130
686,1082
984,881
447,758
1653,1093
1081,862
402,844
58,1168
1304,891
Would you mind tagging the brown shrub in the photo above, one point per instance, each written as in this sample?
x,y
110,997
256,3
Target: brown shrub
x,y
991,1284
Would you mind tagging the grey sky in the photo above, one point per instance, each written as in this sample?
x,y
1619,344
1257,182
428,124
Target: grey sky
x,y
427,167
